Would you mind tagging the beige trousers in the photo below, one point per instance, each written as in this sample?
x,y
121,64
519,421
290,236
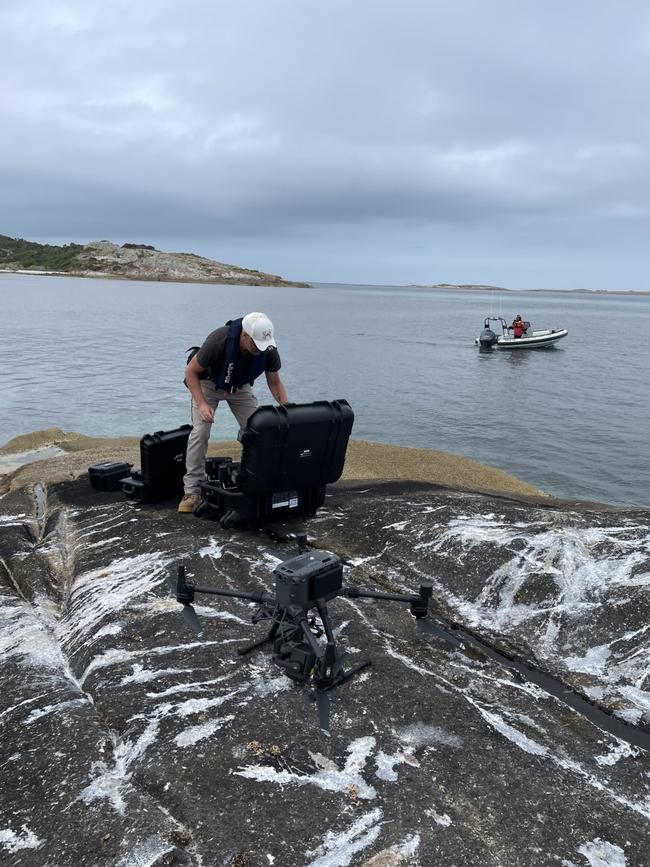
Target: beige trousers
x,y
242,403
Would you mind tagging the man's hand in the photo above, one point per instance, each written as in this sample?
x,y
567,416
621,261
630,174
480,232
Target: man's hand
x,y
206,412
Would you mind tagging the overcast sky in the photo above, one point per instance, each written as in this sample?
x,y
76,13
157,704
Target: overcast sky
x,y
349,140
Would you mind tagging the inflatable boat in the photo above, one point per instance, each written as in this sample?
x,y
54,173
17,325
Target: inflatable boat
x,y
489,339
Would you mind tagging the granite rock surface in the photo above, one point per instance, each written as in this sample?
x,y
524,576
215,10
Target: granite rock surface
x,y
127,741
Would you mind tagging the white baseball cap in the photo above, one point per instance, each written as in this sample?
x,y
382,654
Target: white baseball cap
x,y
260,328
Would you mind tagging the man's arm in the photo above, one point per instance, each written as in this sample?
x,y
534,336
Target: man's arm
x,y
276,386
192,371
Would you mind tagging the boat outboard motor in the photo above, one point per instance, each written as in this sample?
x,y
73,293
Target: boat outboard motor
x,y
487,338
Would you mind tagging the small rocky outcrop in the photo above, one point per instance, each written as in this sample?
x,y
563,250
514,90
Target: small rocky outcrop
x,y
143,262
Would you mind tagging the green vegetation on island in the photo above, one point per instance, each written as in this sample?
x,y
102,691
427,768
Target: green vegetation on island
x,y
18,254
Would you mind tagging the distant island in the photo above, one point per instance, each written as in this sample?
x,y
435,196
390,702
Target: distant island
x,y
480,286
129,261
487,288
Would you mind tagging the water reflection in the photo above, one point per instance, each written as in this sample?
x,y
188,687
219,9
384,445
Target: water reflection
x,y
518,357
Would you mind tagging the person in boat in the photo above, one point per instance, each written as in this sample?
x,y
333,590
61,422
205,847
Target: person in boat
x,y
224,368
518,326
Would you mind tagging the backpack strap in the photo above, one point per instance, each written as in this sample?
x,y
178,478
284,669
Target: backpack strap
x,y
192,352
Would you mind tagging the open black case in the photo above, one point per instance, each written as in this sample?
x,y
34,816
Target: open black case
x,y
290,453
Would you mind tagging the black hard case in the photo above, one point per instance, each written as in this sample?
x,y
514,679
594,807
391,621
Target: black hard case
x,y
162,457
162,466
290,453
297,445
108,475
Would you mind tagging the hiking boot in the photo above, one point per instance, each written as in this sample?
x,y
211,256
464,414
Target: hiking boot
x,y
189,502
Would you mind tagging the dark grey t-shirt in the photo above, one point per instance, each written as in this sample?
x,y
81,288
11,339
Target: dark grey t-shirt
x,y
212,355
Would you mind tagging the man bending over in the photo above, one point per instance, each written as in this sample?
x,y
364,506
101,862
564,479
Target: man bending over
x,y
225,367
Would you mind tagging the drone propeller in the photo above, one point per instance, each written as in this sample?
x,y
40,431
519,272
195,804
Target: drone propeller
x,y
323,709
420,611
431,628
328,668
185,595
190,617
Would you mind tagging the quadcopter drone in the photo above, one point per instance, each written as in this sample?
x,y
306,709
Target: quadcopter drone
x,y
303,583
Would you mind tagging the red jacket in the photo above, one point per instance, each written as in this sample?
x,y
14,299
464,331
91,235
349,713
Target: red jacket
x,y
519,327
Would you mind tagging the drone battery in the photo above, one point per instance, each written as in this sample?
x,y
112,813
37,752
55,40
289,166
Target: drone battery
x,y
314,575
108,475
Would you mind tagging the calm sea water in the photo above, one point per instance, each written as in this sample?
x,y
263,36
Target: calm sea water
x,y
105,357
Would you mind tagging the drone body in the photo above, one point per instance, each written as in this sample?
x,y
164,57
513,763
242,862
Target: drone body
x,y
307,578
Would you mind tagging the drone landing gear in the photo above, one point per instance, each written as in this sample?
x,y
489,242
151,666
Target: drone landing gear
x,y
248,648
322,688
342,676
298,651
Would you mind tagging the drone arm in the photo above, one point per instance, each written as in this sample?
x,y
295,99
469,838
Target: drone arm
x,y
356,593
259,597
419,602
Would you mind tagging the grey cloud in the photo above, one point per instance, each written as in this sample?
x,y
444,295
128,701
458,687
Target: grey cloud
x,y
497,128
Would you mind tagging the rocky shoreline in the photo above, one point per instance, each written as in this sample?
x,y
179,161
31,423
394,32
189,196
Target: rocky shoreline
x,y
125,741
365,460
